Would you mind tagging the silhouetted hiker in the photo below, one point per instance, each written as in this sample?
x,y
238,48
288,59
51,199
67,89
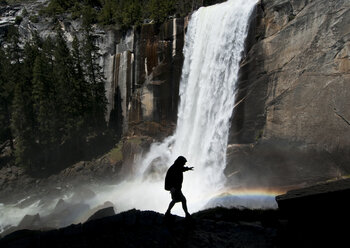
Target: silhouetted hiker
x,y
173,183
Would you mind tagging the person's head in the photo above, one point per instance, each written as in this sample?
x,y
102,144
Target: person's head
x,y
181,161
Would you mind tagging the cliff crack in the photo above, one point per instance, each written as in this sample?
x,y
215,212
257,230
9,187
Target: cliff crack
x,y
342,117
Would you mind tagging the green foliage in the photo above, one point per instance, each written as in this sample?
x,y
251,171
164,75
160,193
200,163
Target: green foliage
x,y
18,20
18,1
23,124
58,6
259,135
51,97
25,12
14,51
34,18
43,101
116,154
89,16
108,13
76,11
125,13
135,140
130,14
160,9
6,92
95,78
291,17
10,73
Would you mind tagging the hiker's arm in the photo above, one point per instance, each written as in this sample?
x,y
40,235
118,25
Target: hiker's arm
x,y
187,168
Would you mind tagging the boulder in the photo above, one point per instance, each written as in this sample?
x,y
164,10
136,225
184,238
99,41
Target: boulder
x,y
30,222
317,215
64,214
104,212
326,202
86,216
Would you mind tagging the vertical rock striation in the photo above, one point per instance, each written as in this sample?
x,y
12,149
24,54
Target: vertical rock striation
x,y
146,74
295,90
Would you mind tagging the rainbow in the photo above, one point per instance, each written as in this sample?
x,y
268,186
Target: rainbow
x,y
250,192
254,198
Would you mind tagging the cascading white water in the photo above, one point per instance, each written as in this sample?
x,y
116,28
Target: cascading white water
x,y
213,49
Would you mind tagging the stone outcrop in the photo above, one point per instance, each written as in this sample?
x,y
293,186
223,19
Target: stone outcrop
x,y
146,75
317,214
136,228
314,201
294,83
218,227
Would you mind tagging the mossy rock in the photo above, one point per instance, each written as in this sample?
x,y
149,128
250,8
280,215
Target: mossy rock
x,y
136,140
116,154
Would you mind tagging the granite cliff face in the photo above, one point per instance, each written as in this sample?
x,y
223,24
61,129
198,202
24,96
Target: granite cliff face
x,y
146,75
294,83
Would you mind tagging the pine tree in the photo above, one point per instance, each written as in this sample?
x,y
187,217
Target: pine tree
x,y
6,95
95,78
30,53
161,9
11,76
129,13
67,91
23,125
23,122
13,51
107,15
43,102
43,93
83,90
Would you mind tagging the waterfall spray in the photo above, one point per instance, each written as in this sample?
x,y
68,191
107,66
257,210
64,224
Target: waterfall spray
x,y
213,48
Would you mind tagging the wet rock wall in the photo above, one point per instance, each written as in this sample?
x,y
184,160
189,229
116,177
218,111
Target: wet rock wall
x,y
292,124
146,74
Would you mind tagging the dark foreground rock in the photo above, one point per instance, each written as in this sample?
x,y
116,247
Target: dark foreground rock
x,y
136,228
317,215
308,217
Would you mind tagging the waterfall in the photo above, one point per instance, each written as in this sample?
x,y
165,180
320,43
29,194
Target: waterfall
x,y
213,48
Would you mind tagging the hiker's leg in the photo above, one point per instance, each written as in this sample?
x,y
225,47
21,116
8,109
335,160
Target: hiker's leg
x,y
184,205
171,205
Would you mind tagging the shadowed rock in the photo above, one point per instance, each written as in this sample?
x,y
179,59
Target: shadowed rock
x,y
317,214
324,202
136,228
30,221
64,214
105,212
